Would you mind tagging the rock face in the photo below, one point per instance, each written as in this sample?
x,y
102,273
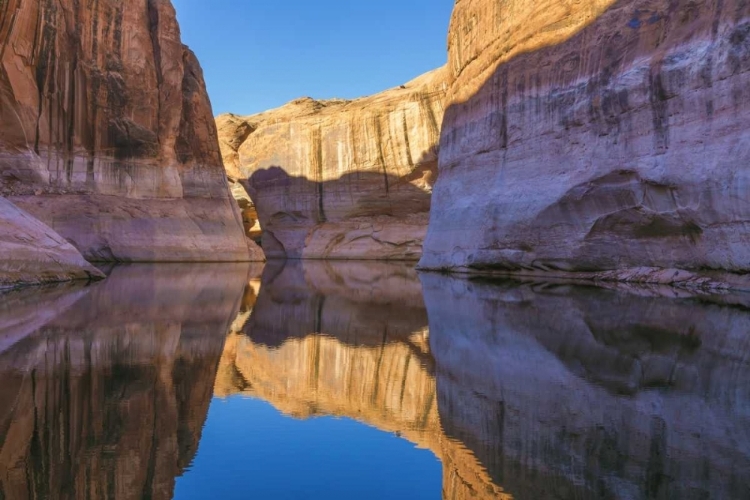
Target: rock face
x,y
594,135
341,179
106,398
33,253
107,135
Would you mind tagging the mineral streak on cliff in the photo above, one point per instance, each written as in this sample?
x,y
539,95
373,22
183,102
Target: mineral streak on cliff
x,y
106,394
341,179
107,134
595,135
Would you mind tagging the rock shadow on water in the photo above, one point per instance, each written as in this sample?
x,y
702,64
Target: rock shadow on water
x,y
582,392
105,394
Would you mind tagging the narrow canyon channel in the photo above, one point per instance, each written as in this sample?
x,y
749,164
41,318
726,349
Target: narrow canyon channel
x,y
305,379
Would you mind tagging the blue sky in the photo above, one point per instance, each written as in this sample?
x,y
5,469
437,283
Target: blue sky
x,y
258,54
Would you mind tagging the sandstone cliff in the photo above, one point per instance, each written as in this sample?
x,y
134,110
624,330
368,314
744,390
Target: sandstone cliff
x,y
341,179
106,398
594,135
32,253
107,134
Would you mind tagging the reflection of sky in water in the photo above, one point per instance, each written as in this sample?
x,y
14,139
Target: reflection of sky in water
x,y
250,450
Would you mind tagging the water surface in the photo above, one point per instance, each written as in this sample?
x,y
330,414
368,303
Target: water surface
x,y
366,380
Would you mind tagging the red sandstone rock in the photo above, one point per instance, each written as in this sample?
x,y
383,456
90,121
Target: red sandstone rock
x,y
105,113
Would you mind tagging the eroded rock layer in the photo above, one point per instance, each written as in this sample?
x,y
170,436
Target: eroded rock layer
x,y
341,179
32,253
107,134
105,395
595,135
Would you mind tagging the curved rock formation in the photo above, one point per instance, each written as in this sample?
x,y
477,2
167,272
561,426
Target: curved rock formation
x,y
32,253
595,135
341,179
107,399
107,132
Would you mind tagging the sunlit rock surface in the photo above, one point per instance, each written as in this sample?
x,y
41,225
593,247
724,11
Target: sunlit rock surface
x,y
32,253
341,179
106,389
107,134
595,135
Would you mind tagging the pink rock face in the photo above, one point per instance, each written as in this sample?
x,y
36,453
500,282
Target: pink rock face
x,y
107,134
32,253
593,136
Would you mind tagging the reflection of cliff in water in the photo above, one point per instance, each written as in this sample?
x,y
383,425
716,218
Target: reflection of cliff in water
x,y
533,391
107,397
589,393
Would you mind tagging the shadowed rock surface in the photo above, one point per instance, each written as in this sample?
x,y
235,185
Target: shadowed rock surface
x,y
32,253
107,134
106,396
595,135
341,179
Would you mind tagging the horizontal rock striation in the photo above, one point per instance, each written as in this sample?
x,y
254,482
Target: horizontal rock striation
x,y
107,134
595,136
341,179
32,253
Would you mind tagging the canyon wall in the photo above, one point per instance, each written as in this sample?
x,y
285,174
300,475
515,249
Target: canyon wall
x,y
597,135
107,134
33,253
341,179
106,389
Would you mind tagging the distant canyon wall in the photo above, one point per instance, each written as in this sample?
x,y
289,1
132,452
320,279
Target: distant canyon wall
x,y
595,135
341,179
107,134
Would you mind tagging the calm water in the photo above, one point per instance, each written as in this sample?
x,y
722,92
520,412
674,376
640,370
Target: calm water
x,y
363,380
